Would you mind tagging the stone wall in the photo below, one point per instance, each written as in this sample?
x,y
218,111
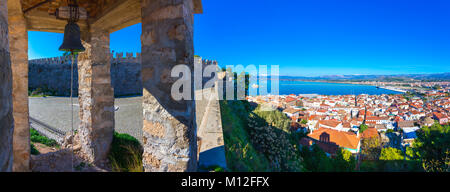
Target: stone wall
x,y
170,142
54,74
209,129
6,105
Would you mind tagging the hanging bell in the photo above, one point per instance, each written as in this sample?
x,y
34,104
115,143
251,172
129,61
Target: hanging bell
x,y
72,39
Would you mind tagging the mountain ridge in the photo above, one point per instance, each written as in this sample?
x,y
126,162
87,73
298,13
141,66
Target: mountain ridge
x,y
400,77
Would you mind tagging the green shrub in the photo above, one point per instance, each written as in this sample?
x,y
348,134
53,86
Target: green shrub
x,y
432,147
38,138
240,154
391,154
34,151
270,134
41,92
363,128
213,168
126,154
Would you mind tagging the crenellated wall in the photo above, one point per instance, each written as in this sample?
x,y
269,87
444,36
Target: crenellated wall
x,y
54,74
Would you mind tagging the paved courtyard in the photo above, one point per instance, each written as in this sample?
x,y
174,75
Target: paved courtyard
x,y
55,112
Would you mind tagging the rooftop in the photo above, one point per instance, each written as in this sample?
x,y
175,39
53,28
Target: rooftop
x,y
341,138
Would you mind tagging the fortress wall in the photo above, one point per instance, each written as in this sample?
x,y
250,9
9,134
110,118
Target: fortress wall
x,y
54,74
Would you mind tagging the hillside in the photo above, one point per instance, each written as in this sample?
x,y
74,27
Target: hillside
x,y
257,140
239,152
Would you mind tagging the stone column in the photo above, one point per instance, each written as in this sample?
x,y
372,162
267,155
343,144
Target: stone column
x,y
96,96
6,103
18,42
170,142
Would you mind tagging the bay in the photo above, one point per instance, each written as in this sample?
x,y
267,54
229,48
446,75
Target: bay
x,y
323,88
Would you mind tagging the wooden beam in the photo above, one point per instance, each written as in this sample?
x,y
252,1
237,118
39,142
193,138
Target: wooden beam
x,y
42,21
124,13
114,16
118,15
198,6
36,5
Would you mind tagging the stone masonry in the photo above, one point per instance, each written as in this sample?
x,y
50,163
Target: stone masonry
x,y
6,103
54,74
167,40
208,116
96,97
210,132
18,37
170,142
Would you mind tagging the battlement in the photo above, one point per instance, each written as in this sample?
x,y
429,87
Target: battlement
x,y
53,60
115,58
54,73
128,58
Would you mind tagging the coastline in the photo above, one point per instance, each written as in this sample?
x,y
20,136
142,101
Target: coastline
x,y
332,88
391,88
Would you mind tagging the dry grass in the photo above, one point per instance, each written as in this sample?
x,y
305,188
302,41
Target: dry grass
x,y
126,154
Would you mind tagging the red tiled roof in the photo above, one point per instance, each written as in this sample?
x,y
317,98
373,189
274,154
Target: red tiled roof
x,y
439,115
343,139
330,123
374,118
370,133
291,110
289,99
346,125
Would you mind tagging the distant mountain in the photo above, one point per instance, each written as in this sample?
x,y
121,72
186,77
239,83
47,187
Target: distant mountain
x,y
404,77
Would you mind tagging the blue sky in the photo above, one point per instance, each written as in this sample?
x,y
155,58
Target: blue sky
x,y
309,37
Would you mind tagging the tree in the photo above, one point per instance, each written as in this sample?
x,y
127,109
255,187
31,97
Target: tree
x,y
344,161
410,153
304,121
432,147
363,127
371,148
273,142
315,159
275,118
391,154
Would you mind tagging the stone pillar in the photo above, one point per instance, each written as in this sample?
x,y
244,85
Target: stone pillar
x,y
96,96
170,142
6,103
18,42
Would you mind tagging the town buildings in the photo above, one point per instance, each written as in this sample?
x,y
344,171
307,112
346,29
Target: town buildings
x,y
333,122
